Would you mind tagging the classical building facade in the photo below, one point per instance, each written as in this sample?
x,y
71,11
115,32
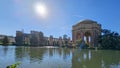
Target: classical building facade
x,y
88,31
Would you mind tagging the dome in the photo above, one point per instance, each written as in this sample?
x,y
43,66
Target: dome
x,y
87,21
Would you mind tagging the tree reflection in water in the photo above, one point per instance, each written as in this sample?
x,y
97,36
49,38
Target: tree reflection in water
x,y
96,59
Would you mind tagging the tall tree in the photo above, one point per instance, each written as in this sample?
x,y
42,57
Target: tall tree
x,y
109,40
5,40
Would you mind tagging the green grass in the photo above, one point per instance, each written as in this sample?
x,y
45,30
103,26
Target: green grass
x,y
14,65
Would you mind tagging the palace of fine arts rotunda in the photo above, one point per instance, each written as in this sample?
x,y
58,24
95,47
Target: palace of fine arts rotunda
x,y
87,31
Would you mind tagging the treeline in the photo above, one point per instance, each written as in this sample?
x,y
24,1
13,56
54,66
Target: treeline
x,y
109,40
4,41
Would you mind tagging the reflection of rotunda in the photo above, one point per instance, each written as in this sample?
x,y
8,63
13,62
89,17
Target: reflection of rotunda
x,y
88,31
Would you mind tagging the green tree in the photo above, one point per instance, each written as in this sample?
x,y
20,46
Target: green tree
x,y
5,40
109,40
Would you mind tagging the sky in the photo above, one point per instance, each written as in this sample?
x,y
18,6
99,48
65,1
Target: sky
x,y
60,15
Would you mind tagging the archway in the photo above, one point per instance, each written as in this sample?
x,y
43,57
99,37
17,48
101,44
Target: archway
x,y
87,37
87,31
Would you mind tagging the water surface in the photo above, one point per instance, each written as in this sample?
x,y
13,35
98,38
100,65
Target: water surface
x,y
37,57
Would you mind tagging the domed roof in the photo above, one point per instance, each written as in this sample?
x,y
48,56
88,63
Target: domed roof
x,y
87,21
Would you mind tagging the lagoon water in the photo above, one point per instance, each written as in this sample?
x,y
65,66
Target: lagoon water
x,y
37,57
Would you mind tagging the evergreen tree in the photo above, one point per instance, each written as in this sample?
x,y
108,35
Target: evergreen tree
x,y
5,40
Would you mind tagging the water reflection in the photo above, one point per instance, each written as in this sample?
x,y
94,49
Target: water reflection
x,y
35,57
45,57
6,56
96,59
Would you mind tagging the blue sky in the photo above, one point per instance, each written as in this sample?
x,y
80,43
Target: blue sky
x,y
62,14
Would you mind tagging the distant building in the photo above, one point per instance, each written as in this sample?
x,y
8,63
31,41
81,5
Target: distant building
x,y
41,39
60,41
55,41
51,40
26,39
46,40
65,40
19,38
36,38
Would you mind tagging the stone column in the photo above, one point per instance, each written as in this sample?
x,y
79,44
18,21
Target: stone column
x,y
82,35
73,36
